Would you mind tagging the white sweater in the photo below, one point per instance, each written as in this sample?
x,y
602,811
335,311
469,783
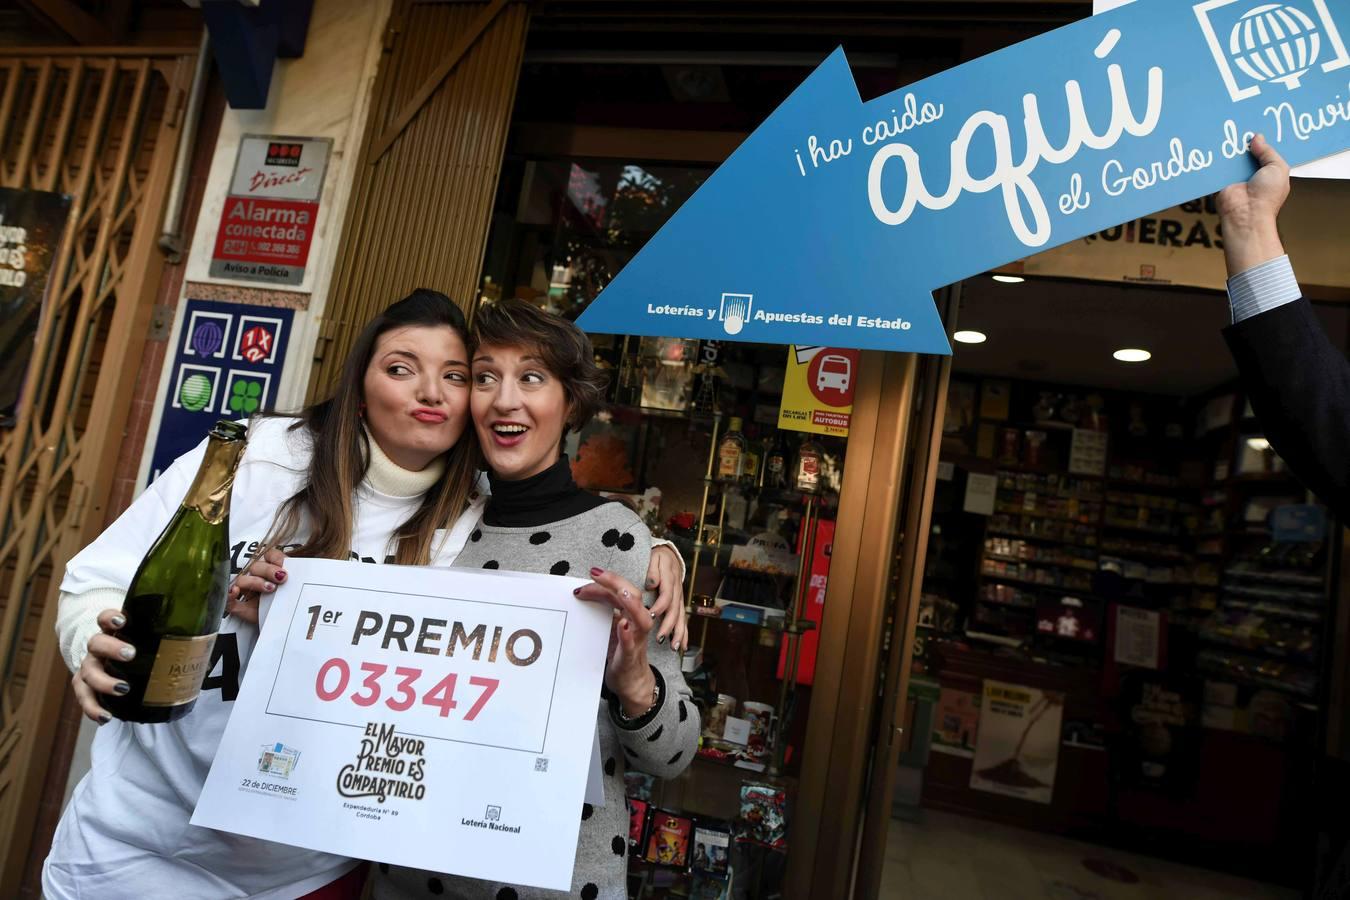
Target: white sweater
x,y
125,833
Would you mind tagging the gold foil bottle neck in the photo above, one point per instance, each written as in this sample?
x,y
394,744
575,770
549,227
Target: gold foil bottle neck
x,y
210,491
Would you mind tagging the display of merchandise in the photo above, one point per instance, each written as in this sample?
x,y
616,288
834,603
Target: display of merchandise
x,y
712,848
715,720
708,887
731,451
776,464
763,817
761,717
754,455
1070,618
1031,527
638,814
807,478
638,784
1267,630
668,836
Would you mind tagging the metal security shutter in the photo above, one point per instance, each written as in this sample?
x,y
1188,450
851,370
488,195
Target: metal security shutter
x,y
100,126
422,200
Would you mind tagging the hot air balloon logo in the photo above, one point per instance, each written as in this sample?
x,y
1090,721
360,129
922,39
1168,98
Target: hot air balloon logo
x,y
1270,43
1275,43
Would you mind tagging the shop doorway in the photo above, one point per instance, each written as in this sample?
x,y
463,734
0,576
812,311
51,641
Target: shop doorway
x,y
1123,645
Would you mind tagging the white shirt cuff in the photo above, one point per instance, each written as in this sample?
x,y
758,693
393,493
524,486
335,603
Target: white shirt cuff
x,y
1262,288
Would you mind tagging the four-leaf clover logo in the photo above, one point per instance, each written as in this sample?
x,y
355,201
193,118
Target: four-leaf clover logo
x,y
245,396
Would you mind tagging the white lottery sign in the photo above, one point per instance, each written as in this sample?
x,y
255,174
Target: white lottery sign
x,y
436,718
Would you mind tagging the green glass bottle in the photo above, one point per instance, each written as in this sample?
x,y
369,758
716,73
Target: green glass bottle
x,y
176,599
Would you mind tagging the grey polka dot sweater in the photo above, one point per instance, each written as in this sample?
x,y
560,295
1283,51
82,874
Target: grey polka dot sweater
x,y
661,743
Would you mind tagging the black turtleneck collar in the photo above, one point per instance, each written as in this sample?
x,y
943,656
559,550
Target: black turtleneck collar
x,y
550,496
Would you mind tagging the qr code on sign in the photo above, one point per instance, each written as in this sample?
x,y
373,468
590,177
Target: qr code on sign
x,y
541,764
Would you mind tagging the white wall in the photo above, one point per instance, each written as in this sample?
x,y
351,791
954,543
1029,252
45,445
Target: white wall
x,y
325,93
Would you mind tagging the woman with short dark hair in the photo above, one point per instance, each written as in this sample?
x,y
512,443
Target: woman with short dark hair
x,y
534,378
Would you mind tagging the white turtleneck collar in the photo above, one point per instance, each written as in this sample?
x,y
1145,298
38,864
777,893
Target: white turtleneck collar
x,y
384,476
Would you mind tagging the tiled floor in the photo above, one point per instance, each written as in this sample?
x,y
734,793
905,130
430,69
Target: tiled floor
x,y
954,858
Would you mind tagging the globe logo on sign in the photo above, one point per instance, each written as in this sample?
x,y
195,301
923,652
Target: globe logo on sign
x,y
1270,43
1275,43
195,392
207,338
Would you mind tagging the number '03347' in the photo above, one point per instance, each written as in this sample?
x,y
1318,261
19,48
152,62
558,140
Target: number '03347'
x,y
335,677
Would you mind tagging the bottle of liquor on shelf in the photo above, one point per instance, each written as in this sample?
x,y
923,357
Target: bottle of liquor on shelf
x,y
776,462
807,472
731,453
176,598
754,456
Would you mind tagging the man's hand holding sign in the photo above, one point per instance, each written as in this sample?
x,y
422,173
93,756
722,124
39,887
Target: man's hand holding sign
x,y
836,219
380,700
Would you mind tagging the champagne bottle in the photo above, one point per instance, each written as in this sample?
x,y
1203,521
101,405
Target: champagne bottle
x,y
176,600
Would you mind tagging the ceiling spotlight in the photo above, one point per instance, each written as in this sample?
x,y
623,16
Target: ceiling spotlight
x,y
970,337
1131,355
1259,444
1009,279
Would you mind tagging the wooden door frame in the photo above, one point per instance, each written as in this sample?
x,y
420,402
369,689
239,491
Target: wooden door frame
x,y
912,544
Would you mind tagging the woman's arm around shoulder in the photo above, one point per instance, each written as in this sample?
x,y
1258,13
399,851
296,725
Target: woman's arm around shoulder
x,y
661,740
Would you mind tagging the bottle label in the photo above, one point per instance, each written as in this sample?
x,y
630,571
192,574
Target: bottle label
x,y
808,474
180,666
729,464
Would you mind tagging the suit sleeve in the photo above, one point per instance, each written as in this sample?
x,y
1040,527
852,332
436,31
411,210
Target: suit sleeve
x,y
1299,386
98,576
662,742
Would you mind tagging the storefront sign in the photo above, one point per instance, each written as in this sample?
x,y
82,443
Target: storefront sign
x,y
1183,245
1017,750
437,719
272,209
226,365
836,219
818,390
31,225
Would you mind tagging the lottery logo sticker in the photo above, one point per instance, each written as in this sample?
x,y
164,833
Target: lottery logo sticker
x,y
195,388
207,334
246,392
257,340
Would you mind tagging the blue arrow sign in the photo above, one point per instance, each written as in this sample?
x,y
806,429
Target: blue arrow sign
x,y
836,219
